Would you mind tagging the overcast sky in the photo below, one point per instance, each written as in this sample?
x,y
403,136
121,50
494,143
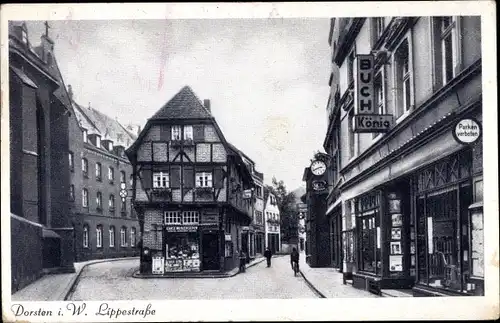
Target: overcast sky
x,y
267,79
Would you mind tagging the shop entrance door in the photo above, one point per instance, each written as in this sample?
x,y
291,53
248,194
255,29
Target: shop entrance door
x,y
210,251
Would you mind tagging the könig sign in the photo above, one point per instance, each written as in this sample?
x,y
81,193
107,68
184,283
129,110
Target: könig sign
x,y
366,119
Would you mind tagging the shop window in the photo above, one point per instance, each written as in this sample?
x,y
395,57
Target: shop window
x,y
367,222
190,217
172,217
123,237
203,179
188,132
85,197
99,236
98,171
182,252
85,236
176,132
111,237
161,180
403,79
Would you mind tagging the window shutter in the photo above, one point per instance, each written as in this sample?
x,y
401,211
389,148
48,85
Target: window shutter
x,y
175,177
218,178
146,178
198,132
165,133
188,179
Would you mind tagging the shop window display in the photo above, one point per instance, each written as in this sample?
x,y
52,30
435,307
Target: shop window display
x,y
182,252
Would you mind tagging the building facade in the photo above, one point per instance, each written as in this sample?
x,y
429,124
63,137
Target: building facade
x,y
272,222
106,225
188,190
41,231
409,198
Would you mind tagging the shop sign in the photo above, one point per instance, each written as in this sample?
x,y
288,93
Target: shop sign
x,y
302,207
467,131
210,218
319,185
245,228
158,266
184,228
366,119
247,194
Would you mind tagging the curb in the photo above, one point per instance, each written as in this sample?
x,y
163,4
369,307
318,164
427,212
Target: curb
x,y
72,284
229,274
311,286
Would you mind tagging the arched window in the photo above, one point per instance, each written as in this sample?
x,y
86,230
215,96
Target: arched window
x,y
85,236
85,197
111,236
123,237
98,171
132,237
85,167
111,202
98,201
98,232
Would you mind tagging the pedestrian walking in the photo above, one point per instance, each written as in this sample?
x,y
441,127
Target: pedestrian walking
x,y
243,260
268,254
294,261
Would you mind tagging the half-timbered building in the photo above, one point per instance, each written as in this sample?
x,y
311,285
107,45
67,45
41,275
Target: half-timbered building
x,y
188,185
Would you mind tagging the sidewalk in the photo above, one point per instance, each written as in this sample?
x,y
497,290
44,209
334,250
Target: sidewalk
x,y
230,273
56,287
327,282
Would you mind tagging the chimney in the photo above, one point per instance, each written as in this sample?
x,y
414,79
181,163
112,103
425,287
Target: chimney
x,y
70,92
206,103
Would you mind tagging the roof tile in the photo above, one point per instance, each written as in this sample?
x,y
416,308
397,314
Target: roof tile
x,y
184,105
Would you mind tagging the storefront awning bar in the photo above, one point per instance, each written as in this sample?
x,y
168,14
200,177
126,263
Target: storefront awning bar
x,y
333,206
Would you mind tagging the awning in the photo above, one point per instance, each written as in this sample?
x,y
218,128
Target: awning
x,y
24,78
46,233
333,206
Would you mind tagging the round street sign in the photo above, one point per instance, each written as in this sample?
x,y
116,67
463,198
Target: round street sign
x,y
467,131
123,193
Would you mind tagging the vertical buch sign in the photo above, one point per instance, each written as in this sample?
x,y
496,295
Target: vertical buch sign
x,y
366,117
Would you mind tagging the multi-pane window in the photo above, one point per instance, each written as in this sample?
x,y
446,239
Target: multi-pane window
x,y
98,171
85,136
85,197
72,192
112,237
85,236
111,174
203,179
122,177
161,180
98,236
258,216
379,27
258,191
403,79
188,132
446,46
123,237
71,161
176,132
172,217
85,166
190,217
132,237
24,36
111,202
98,200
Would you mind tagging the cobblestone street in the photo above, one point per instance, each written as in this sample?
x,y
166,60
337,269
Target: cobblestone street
x,y
113,281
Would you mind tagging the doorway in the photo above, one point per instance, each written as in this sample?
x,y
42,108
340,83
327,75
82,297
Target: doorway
x,y
210,242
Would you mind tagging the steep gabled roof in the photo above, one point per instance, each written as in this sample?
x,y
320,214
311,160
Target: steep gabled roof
x,y
184,105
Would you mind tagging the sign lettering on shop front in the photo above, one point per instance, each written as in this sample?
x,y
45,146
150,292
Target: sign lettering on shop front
x,y
184,228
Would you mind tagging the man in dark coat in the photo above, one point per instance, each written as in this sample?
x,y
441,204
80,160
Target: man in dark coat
x,y
268,256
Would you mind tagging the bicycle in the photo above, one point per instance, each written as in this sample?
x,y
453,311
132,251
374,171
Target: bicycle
x,y
295,267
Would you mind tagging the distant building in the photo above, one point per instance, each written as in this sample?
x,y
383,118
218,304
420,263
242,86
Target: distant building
x,y
189,190
408,200
272,222
41,230
106,226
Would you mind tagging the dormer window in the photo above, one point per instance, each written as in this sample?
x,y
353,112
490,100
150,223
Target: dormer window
x,y
110,146
98,141
24,35
85,138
